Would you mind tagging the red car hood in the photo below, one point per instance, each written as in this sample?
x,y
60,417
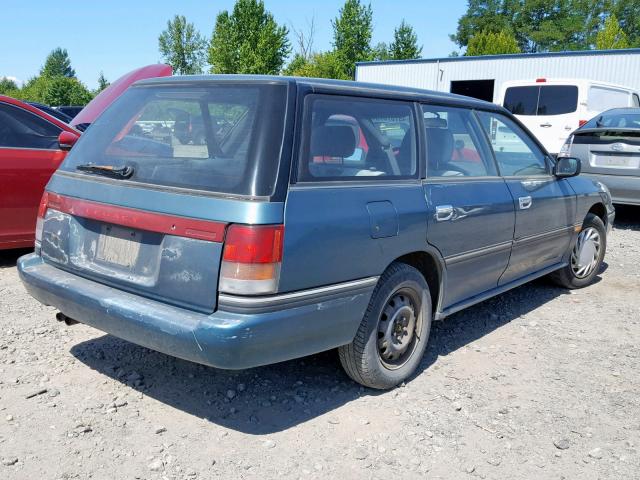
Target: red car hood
x,y
105,98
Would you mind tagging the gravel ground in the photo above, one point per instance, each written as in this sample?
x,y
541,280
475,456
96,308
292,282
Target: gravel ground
x,y
536,383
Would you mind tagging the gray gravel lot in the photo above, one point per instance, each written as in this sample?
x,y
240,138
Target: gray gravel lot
x,y
537,383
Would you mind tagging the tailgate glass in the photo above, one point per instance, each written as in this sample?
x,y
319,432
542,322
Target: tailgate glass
x,y
224,138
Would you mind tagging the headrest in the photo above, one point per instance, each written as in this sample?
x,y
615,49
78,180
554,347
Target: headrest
x,y
433,122
333,141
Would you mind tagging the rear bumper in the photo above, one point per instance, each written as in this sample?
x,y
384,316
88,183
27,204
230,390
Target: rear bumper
x,y
254,333
625,189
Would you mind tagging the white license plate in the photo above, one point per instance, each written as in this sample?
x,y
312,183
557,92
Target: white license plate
x,y
624,162
119,246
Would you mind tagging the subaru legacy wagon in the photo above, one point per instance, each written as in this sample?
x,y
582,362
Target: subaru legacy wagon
x,y
313,215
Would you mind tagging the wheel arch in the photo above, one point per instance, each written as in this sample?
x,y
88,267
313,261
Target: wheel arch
x,y
600,211
432,269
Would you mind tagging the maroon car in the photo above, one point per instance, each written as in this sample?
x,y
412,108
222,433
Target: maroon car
x,y
32,146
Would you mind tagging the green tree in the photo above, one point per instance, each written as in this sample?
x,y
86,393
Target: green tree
x,y
405,43
490,43
65,91
319,65
58,64
544,25
485,15
381,51
7,86
102,82
611,36
352,32
182,46
297,63
628,14
55,91
248,41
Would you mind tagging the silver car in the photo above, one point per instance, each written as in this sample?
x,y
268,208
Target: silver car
x,y
608,146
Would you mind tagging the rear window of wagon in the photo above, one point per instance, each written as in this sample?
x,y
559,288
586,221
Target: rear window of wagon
x,y
223,138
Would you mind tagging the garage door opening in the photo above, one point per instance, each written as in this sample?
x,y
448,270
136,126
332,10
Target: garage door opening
x,y
481,89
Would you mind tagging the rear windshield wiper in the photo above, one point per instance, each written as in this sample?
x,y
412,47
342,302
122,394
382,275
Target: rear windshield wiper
x,y
107,170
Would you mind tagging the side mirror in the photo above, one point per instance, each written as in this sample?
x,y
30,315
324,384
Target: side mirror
x,y
567,167
66,140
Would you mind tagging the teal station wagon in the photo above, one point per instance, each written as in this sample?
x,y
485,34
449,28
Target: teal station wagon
x,y
304,215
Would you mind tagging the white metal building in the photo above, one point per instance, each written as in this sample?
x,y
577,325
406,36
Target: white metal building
x,y
482,77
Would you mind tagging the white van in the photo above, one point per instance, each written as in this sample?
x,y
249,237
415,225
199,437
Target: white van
x,y
552,109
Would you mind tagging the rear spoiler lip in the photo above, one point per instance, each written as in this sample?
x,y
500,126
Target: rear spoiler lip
x,y
583,131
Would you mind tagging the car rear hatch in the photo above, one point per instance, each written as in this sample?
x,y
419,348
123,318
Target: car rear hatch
x,y
609,151
106,97
158,229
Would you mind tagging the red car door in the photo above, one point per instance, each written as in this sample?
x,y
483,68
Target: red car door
x,y
29,155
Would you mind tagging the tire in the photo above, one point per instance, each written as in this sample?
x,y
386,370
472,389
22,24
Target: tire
x,y
400,301
580,272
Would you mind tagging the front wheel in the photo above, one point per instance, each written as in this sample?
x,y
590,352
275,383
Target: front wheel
x,y
587,255
394,332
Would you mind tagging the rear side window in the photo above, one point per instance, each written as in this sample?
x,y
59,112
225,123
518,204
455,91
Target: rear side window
x,y
541,100
348,138
22,129
224,138
636,100
602,98
453,145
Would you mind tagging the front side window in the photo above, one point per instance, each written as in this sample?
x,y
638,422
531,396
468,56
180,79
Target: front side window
x,y
453,146
223,138
22,129
515,151
348,138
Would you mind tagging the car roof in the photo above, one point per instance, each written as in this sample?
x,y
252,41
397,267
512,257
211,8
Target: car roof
x,y
322,85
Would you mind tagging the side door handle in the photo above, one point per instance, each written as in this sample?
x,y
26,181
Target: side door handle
x,y
444,213
546,125
525,202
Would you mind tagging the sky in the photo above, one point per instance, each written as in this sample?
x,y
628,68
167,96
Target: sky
x,y
116,36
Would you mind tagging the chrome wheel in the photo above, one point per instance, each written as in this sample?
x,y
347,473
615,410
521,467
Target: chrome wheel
x,y
586,253
399,328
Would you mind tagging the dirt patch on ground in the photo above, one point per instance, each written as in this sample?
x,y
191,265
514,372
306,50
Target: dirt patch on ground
x,y
537,383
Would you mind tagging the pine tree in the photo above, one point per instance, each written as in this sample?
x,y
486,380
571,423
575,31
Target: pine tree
x,y
611,36
405,43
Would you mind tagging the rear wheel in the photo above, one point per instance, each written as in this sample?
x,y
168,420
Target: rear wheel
x,y
393,334
586,256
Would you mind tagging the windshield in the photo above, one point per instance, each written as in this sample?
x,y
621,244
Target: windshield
x,y
220,138
541,100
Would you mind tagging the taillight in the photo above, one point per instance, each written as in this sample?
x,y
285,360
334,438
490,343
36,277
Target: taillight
x,y
581,123
251,259
565,150
42,211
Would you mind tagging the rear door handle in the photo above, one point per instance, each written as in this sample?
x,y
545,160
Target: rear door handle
x,y
525,202
546,125
444,213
